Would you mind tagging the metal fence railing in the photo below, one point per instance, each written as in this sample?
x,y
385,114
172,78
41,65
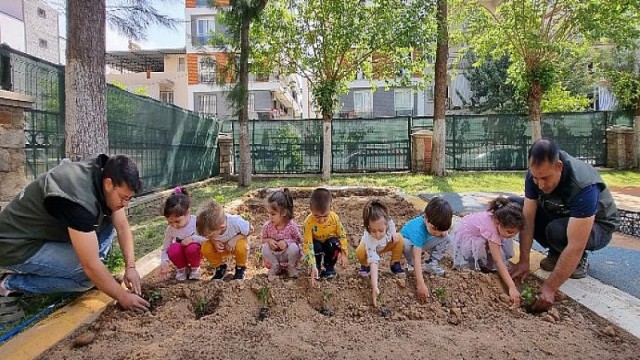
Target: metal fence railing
x,y
171,145
473,142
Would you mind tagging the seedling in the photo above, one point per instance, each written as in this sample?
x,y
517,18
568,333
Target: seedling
x,y
199,307
259,256
263,295
385,312
153,297
326,296
203,306
441,294
528,297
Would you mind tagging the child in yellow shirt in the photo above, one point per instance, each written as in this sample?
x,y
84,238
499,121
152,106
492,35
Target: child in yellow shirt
x,y
325,241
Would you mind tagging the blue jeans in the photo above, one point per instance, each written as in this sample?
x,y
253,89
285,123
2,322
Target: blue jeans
x,y
55,268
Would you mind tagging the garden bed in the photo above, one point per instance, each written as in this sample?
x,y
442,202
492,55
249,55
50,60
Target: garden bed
x,y
466,317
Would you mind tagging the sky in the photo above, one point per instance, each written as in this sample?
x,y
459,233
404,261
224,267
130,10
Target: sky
x,y
157,37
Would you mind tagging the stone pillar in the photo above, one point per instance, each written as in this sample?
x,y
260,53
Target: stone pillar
x,y
12,142
421,147
620,147
225,142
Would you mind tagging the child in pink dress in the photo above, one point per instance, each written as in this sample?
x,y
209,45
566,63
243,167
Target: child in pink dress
x,y
280,236
484,241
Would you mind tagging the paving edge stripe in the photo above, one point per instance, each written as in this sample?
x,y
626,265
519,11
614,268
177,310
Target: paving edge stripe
x,y
608,302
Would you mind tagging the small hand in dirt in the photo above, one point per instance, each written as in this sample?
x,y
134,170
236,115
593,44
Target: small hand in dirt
x,y
514,294
132,280
545,300
520,271
374,296
133,302
164,271
422,292
343,260
314,277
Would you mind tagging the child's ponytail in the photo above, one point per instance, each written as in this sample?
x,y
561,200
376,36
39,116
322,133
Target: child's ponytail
x,y
178,203
374,210
282,201
507,213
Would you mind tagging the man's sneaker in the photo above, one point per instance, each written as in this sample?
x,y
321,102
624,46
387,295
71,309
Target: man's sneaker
x,y
239,275
181,274
396,269
549,263
364,271
432,267
330,273
292,272
221,271
581,271
272,274
195,274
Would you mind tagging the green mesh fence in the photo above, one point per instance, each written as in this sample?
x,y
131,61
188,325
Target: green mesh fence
x,y
282,146
363,145
170,145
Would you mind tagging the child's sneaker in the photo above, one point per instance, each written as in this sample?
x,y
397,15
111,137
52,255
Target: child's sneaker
x,y
364,271
221,271
396,269
272,274
181,274
239,275
432,267
410,268
195,274
329,273
292,272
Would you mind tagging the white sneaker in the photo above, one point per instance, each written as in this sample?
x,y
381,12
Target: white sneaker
x,y
181,274
195,274
409,268
433,267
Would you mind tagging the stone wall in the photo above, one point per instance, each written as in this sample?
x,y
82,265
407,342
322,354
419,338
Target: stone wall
x,y
620,147
225,142
12,142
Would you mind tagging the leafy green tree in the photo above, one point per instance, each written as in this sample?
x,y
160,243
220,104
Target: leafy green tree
x,y
622,68
329,41
540,36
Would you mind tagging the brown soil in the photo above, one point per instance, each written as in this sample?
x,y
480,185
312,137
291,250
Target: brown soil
x,y
466,316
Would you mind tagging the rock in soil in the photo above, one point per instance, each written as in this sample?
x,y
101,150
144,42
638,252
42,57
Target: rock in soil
x,y
609,331
84,339
555,314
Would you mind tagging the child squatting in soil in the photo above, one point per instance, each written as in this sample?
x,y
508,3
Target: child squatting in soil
x,y
226,237
427,232
181,244
492,229
379,237
280,236
324,237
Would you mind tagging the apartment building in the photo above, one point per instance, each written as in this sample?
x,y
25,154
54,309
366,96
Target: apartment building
x,y
32,26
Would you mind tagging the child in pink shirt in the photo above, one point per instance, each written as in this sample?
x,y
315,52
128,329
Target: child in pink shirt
x,y
280,236
483,241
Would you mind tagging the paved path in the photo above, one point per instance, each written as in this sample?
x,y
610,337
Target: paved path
x,y
617,265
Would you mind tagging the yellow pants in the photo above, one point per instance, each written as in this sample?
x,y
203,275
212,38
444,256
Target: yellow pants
x,y
395,249
241,253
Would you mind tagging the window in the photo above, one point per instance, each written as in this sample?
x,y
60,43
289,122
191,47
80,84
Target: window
x,y
42,13
43,43
166,97
363,102
252,102
206,104
201,3
403,101
207,69
204,28
181,64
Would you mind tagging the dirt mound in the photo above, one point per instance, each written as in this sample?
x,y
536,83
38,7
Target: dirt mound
x,y
467,316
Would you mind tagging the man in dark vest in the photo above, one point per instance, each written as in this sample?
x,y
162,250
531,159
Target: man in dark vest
x,y
55,232
569,210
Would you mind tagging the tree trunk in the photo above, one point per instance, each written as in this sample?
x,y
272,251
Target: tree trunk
x,y
534,104
636,135
440,92
326,146
85,87
245,150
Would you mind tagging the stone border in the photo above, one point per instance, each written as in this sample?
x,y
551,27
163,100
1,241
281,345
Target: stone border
x,y
609,303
